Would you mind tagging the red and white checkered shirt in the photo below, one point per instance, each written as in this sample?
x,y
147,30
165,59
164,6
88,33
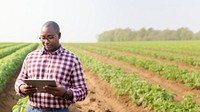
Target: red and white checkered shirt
x,y
62,66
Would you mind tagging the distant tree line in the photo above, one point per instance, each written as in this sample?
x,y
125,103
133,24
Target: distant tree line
x,y
149,34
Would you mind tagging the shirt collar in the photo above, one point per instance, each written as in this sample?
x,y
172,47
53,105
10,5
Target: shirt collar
x,y
58,51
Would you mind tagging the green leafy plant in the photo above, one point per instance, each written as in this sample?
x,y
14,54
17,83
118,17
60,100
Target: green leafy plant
x,y
21,105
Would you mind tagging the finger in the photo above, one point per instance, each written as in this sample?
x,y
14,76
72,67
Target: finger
x,y
30,93
50,88
51,91
29,87
33,89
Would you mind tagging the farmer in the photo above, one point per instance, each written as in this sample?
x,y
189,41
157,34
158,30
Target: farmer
x,y
52,62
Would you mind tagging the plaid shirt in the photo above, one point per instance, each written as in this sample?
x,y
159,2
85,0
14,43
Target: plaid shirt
x,y
62,66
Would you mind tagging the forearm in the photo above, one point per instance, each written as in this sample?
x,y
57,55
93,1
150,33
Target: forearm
x,y
79,87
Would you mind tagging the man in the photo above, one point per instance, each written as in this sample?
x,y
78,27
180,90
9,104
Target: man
x,y
52,62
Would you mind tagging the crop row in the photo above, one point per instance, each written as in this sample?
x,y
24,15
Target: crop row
x,y
142,92
177,47
169,71
191,60
10,49
12,62
4,45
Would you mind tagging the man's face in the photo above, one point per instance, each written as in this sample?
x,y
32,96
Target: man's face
x,y
50,38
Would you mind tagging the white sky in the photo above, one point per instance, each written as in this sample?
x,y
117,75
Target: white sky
x,y
83,20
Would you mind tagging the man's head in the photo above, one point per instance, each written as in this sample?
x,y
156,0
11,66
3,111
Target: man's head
x,y
50,35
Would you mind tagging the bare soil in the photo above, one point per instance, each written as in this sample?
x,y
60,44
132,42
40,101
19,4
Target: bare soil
x,y
8,97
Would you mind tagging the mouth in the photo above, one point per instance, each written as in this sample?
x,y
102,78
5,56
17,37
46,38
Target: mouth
x,y
48,46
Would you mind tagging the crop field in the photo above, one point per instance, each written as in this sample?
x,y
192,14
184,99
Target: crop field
x,y
11,58
150,76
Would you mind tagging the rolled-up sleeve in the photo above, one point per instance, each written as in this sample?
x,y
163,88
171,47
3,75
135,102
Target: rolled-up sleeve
x,y
79,87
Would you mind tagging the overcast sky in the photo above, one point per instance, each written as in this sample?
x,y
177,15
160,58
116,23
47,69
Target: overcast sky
x,y
83,20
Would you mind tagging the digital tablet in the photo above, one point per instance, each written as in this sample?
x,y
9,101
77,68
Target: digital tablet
x,y
40,83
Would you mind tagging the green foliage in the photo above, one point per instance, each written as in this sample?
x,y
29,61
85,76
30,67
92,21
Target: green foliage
x,y
169,71
21,105
8,50
147,35
187,105
10,63
142,92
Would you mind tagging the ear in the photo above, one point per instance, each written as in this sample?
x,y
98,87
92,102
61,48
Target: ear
x,y
59,35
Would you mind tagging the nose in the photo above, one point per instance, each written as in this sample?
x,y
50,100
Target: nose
x,y
46,41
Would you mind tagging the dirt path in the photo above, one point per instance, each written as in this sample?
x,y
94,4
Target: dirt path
x,y
8,97
173,86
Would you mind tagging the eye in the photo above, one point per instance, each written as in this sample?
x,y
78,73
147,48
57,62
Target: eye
x,y
41,37
50,36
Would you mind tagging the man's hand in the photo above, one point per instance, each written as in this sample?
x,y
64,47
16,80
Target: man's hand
x,y
27,89
56,91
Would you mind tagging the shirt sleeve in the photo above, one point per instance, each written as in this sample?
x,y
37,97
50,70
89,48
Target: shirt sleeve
x,y
20,79
79,87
